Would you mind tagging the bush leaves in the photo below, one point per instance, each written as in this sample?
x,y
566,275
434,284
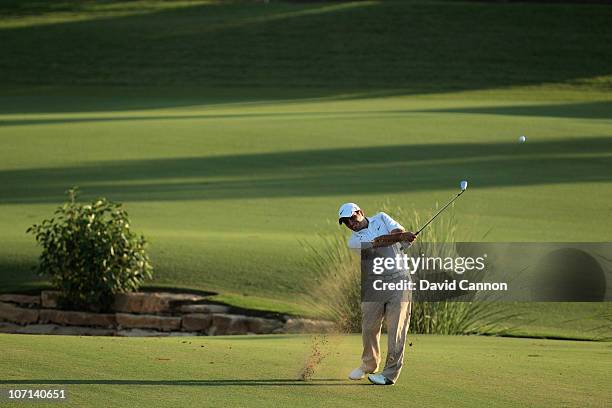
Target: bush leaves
x,y
90,253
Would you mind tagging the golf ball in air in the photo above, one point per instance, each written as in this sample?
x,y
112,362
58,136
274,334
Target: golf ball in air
x,y
522,139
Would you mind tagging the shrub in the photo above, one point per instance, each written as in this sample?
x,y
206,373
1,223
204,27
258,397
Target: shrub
x,y
90,253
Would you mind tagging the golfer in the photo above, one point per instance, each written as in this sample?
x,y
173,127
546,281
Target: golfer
x,y
381,231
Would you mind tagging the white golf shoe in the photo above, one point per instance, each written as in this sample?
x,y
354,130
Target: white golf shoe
x,y
379,379
357,374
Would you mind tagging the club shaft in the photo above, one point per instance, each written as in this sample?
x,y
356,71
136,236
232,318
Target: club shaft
x,y
438,213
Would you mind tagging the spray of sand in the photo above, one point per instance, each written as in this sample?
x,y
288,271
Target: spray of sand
x,y
335,294
318,352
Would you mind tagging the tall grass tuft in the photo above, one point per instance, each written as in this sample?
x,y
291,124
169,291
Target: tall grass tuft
x,y
336,290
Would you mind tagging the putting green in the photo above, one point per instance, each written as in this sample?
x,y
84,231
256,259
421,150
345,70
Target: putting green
x,y
262,370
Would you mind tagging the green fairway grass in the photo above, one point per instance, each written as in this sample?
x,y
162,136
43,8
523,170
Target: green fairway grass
x,y
422,45
227,195
261,371
232,132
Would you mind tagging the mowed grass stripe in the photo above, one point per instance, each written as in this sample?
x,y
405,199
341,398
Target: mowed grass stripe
x,y
464,371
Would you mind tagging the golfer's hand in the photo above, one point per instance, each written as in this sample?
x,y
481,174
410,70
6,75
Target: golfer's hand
x,y
408,236
384,240
390,239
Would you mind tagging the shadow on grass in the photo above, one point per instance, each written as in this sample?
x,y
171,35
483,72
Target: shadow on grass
x,y
422,47
212,116
18,276
325,382
46,99
588,110
311,173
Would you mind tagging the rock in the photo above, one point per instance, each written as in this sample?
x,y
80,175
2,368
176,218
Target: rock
x,y
15,314
49,298
228,324
83,331
21,299
141,333
299,325
54,329
70,318
8,327
152,303
30,329
196,322
143,314
260,325
38,329
134,321
206,308
183,334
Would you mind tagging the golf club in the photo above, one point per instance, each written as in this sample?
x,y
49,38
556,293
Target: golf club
x,y
463,187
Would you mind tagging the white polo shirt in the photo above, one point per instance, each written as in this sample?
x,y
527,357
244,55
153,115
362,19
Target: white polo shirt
x,y
380,224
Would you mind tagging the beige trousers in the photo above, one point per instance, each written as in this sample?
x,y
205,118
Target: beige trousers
x,y
397,316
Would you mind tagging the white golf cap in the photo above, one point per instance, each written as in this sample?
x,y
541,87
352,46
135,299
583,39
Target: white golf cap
x,y
347,210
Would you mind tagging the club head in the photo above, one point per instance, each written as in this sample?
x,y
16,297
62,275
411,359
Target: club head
x,y
463,185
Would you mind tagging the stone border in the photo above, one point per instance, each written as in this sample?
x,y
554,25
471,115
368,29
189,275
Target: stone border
x,y
146,314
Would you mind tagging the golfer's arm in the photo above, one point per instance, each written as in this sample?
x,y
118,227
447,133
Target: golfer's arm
x,y
389,239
